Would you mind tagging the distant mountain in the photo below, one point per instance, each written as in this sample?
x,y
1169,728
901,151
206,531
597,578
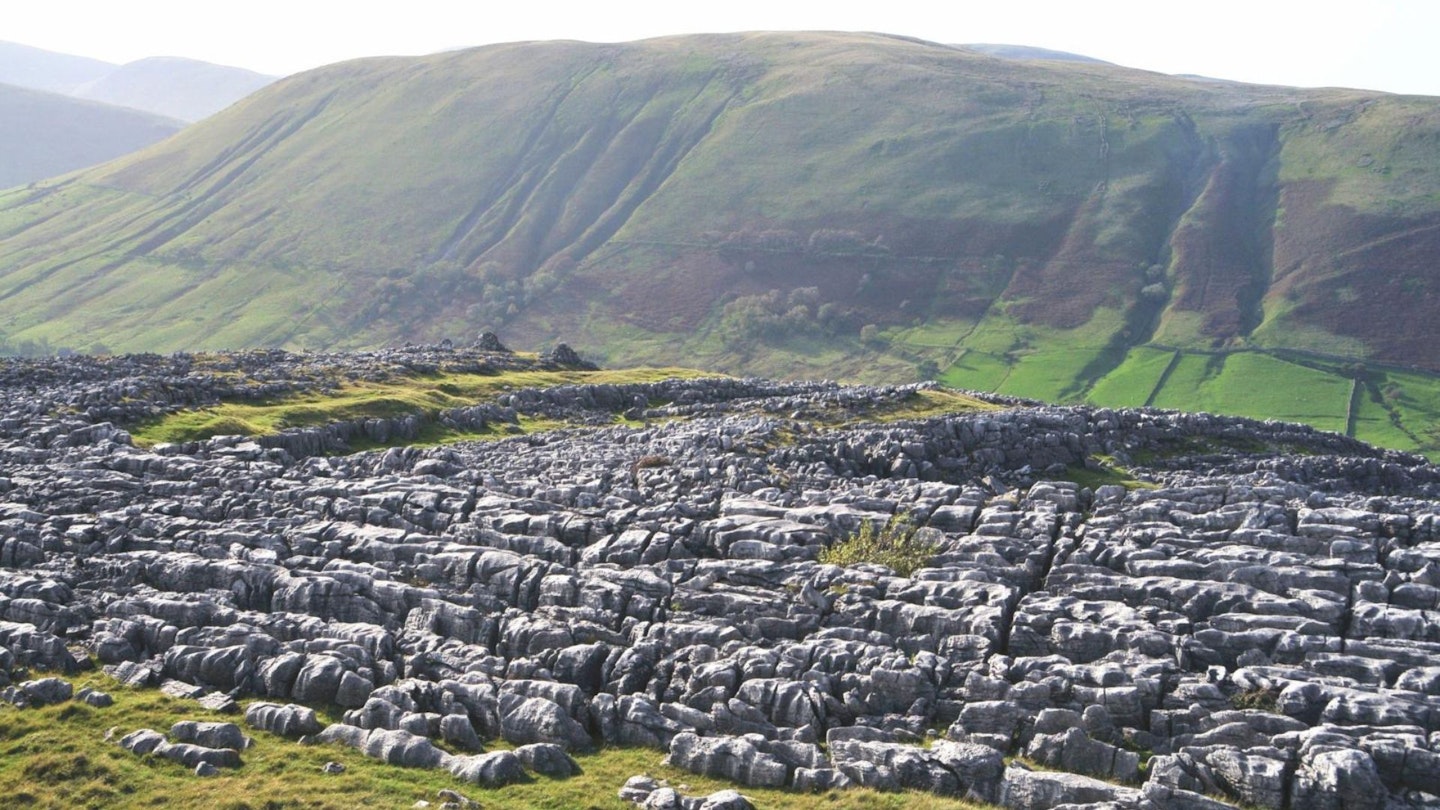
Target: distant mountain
x,y
845,205
170,86
179,88
24,66
46,134
1030,52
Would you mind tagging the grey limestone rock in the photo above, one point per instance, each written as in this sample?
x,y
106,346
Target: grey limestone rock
x,y
96,698
142,741
453,800
819,780
637,788
979,768
192,756
489,342
949,768
210,735
563,355
457,730
1023,789
377,712
1161,796
1342,778
738,759
393,746
46,691
402,748
134,674
537,720
318,679
1251,776
352,690
289,720
664,798
181,690
1072,750
547,759
489,770
219,702
725,800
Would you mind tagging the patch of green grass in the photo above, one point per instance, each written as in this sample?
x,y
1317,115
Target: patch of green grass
x,y
57,757
1259,386
425,395
1401,410
1104,471
1282,328
1051,374
977,371
1032,361
1130,384
940,333
925,404
1396,409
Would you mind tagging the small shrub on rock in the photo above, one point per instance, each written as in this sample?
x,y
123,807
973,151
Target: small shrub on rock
x,y
896,546
1259,698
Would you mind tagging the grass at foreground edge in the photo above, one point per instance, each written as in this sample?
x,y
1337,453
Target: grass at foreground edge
x,y
57,756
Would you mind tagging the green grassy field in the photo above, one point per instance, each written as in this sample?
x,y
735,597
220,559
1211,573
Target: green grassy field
x,y
977,371
1259,386
1133,382
1402,410
1396,409
1005,356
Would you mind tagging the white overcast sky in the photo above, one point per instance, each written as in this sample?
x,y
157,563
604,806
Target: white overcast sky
x,y
1377,44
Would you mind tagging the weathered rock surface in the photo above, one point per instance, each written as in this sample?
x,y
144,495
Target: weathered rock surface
x,y
1266,622
211,735
289,720
148,741
654,795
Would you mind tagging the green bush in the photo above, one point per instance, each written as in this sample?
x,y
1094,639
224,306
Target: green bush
x,y
895,546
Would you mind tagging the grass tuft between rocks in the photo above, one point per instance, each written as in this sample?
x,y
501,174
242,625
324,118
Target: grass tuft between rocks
x,y
896,546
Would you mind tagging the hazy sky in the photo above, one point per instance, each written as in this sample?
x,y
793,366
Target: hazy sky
x,y
1380,44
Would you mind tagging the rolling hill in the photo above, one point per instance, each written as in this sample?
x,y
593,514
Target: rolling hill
x,y
44,134
1005,51
39,69
186,89
849,205
173,87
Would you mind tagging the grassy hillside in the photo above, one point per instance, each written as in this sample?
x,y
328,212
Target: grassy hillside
x,y
846,205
